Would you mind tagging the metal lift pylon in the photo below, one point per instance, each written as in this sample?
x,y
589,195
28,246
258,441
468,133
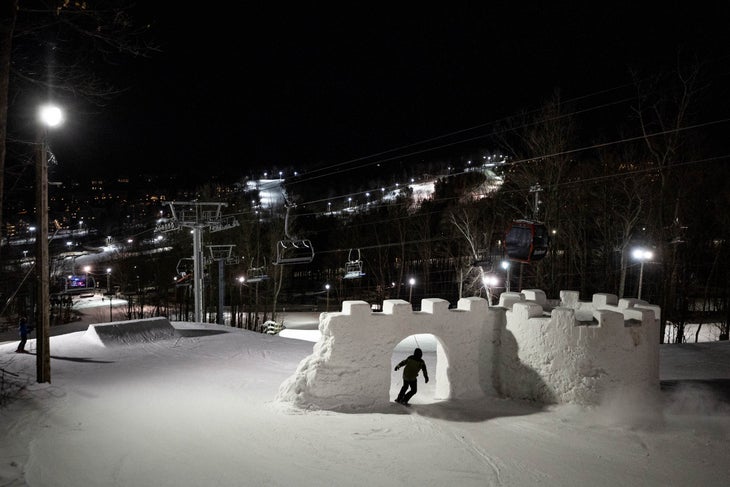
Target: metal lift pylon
x,y
198,216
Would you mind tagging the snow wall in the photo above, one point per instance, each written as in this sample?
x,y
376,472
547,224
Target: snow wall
x,y
524,349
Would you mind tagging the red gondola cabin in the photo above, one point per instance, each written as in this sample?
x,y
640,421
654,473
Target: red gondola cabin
x,y
526,241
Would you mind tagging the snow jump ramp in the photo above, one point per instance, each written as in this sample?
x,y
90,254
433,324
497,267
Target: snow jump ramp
x,y
129,332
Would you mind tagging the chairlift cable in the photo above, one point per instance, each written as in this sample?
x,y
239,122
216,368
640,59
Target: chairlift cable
x,y
468,129
32,267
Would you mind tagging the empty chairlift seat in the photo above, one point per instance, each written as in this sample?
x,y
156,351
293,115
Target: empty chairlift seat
x,y
353,266
294,251
257,274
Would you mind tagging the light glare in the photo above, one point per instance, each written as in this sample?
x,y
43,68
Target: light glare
x,y
51,115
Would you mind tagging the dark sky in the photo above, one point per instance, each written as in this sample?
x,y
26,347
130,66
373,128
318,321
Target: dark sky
x,y
241,88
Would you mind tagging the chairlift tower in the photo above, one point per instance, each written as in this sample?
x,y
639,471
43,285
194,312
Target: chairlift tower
x,y
197,216
223,255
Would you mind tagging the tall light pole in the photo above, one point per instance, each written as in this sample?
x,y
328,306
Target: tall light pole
x,y
641,255
411,283
241,280
111,300
327,306
108,293
49,116
506,266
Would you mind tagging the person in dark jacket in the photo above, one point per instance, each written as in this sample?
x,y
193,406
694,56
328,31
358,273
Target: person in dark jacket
x,y
411,367
23,331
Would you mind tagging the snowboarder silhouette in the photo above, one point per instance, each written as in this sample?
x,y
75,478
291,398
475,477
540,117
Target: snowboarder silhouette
x,y
412,365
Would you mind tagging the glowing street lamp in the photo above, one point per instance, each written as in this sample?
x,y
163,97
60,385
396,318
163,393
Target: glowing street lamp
x,y
108,277
49,116
327,305
642,255
411,283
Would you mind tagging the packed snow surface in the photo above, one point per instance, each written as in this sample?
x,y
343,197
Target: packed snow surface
x,y
197,407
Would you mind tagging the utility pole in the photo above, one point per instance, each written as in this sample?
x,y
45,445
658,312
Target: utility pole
x,y
42,322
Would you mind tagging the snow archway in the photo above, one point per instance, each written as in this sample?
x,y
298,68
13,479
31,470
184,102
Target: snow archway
x,y
350,367
433,354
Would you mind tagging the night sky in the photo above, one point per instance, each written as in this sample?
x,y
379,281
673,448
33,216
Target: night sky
x,y
240,89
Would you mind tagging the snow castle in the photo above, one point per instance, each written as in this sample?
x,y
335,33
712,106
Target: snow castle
x,y
524,348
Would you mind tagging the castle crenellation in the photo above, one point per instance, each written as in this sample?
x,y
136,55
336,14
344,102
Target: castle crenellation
x,y
527,347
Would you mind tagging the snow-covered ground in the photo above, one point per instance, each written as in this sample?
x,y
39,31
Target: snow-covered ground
x,y
198,408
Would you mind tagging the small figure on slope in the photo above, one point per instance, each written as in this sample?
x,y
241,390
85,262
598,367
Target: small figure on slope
x,y
411,366
23,331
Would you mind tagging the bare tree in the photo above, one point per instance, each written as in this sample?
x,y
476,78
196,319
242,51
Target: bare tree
x,y
664,110
63,48
8,14
622,189
541,144
475,226
465,223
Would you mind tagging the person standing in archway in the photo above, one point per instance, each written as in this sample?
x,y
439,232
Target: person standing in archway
x,y
411,367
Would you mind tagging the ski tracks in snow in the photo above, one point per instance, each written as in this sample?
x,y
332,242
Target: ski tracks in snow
x,y
491,462
489,469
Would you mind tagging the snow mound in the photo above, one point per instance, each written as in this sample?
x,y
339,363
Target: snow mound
x,y
129,332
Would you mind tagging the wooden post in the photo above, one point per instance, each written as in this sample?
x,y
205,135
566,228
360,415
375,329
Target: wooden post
x,y
42,322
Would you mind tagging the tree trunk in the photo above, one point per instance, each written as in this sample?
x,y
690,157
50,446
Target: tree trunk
x,y
8,14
